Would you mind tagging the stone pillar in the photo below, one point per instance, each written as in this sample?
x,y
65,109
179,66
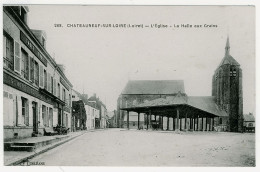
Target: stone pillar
x,y
128,120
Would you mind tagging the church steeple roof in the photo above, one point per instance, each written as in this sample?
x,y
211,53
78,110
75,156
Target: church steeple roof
x,y
228,59
227,48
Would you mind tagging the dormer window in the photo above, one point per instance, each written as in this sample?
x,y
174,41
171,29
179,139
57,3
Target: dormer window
x,y
43,42
23,10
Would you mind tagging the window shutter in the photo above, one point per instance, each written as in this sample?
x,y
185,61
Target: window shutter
x,y
41,76
17,57
49,82
27,113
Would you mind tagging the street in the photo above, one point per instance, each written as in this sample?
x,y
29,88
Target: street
x,y
119,147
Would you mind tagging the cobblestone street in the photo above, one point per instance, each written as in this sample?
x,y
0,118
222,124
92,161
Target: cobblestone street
x,y
118,147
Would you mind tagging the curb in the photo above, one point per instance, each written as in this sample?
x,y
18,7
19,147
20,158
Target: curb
x,y
42,151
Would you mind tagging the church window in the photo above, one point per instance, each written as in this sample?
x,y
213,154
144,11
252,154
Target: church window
x,y
233,72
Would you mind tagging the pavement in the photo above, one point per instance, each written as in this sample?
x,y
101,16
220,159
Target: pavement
x,y
119,147
17,157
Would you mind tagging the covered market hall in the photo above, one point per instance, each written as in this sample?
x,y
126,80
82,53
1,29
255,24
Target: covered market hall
x,y
188,113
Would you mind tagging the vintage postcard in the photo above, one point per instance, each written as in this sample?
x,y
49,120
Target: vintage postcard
x,y
141,86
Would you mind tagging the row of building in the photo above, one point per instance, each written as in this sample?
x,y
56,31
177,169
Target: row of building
x,y
36,92
88,113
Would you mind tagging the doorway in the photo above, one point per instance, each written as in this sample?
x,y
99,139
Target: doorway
x,y
35,117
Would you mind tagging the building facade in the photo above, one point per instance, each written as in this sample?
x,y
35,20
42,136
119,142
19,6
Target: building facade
x,y
37,93
100,120
92,114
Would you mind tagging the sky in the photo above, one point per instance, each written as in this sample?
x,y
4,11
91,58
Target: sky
x,y
102,60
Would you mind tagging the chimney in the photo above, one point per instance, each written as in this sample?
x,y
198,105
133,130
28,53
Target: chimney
x,y
95,95
41,36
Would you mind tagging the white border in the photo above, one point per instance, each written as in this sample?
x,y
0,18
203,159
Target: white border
x,y
139,2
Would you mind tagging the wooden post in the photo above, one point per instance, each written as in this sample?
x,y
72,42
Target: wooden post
x,y
213,124
185,125
168,120
194,123
206,123
173,123
190,123
180,124
128,120
210,124
202,123
162,122
150,118
147,121
197,123
178,119
138,122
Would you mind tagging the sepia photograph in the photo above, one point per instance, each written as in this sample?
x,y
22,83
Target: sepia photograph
x,y
129,85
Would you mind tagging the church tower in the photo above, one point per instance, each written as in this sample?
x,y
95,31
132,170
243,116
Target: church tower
x,y
227,90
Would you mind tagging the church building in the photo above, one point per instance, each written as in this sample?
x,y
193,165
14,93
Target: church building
x,y
223,111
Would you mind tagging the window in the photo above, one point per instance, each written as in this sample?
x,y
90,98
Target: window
x,y
64,94
51,85
233,72
45,79
58,90
49,82
23,15
8,52
31,69
41,76
36,74
25,65
25,112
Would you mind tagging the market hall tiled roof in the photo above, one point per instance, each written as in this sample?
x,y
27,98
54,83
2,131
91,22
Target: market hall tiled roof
x,y
204,103
154,87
